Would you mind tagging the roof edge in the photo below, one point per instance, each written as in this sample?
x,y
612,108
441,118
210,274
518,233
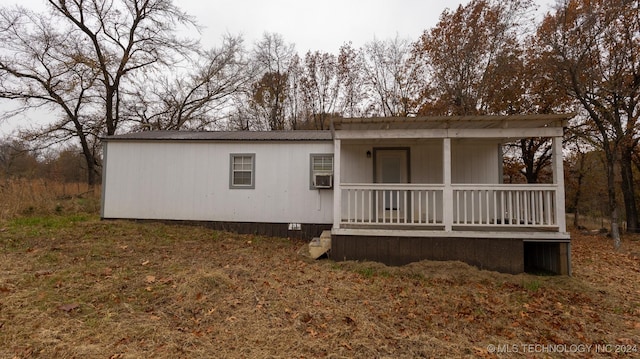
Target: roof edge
x,y
224,136
456,118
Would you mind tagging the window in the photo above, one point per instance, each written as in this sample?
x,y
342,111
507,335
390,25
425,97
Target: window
x,y
242,170
321,171
322,163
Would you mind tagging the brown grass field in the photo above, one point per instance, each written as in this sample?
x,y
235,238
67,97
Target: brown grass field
x,y
23,197
73,286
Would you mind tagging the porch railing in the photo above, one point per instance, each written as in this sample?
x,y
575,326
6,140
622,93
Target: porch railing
x,y
530,205
477,205
392,204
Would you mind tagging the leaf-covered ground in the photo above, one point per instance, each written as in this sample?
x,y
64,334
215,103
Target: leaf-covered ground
x,y
77,287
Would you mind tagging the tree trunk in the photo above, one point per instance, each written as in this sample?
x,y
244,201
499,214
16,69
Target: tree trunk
x,y
613,207
91,174
88,157
576,199
628,190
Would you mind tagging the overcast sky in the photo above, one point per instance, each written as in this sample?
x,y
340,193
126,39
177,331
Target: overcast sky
x,y
310,25
318,25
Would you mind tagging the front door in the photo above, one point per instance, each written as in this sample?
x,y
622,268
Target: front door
x,y
391,166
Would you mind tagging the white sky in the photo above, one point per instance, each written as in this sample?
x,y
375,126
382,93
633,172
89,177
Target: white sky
x,y
317,25
310,25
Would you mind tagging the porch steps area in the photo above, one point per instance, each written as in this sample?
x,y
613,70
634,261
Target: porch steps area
x,y
318,246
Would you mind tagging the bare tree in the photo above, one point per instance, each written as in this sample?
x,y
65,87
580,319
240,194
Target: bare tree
x,y
351,76
194,97
391,78
272,58
42,67
295,95
77,59
320,87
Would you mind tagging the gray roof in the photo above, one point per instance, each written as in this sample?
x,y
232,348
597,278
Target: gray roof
x,y
377,124
223,136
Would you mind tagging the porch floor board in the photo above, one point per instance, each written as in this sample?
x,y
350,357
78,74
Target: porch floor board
x,y
402,230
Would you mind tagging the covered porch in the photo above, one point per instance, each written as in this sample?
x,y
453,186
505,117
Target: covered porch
x,y
441,177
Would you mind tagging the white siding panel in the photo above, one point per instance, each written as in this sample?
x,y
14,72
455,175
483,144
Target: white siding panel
x,y
190,181
474,161
426,162
356,166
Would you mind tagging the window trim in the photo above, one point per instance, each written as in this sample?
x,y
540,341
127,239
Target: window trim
x,y
232,157
312,172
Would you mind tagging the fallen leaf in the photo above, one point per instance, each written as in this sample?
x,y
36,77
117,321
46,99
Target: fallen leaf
x,y
306,317
41,273
69,307
150,279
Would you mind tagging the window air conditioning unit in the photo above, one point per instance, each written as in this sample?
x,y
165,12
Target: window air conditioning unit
x,y
322,180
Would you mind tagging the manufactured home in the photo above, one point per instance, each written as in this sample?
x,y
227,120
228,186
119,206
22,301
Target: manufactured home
x,y
393,190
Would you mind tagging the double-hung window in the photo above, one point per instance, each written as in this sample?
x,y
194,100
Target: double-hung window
x,y
242,174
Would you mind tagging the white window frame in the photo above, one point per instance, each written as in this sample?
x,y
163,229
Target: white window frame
x,y
322,171
233,170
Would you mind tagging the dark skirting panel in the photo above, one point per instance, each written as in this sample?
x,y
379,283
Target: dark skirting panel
x,y
499,254
307,231
544,256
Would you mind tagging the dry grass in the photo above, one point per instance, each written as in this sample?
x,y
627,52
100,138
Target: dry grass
x,y
73,287
20,197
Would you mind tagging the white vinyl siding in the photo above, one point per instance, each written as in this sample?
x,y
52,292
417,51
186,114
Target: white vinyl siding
x,y
474,161
189,180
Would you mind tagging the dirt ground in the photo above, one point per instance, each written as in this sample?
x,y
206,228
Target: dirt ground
x,y
78,287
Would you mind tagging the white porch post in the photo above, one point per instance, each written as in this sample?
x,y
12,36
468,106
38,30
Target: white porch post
x,y
447,194
337,188
558,180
